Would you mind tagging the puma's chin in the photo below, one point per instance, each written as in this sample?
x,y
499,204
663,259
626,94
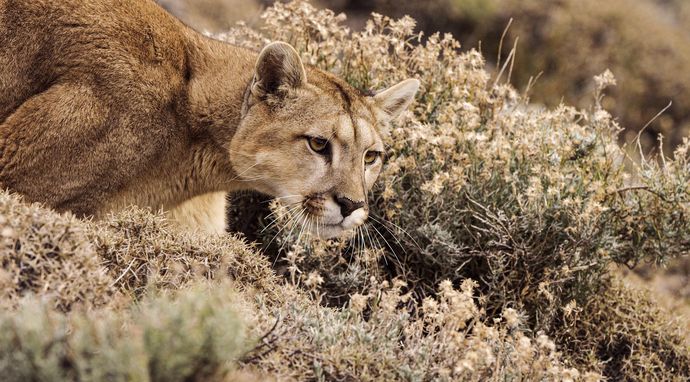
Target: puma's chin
x,y
330,231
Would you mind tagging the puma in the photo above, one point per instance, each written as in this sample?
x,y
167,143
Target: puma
x,y
110,103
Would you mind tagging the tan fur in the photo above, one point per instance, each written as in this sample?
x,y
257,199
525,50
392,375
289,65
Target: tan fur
x,y
109,103
203,213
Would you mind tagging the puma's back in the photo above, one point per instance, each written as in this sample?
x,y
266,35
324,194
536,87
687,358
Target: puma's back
x,y
131,46
91,87
109,103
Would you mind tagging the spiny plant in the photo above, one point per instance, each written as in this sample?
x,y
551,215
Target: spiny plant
x,y
161,319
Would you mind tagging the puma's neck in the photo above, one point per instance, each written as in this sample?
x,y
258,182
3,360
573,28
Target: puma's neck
x,y
208,112
218,75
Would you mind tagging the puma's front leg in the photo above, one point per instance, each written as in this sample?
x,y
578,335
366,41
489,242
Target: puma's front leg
x,y
204,213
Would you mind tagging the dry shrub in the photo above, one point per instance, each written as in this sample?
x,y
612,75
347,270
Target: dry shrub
x,y
142,250
164,325
376,338
532,203
70,261
45,252
624,329
191,335
567,42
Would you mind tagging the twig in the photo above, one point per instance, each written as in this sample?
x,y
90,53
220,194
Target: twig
x,y
639,134
263,344
640,188
123,273
500,43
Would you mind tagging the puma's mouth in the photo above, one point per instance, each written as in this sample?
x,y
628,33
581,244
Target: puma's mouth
x,y
341,228
321,216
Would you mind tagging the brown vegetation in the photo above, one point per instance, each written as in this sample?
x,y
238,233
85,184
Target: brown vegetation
x,y
567,42
495,228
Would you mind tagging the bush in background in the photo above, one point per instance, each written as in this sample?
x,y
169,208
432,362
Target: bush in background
x,y
212,15
567,42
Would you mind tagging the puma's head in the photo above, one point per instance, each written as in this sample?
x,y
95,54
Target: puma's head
x,y
311,140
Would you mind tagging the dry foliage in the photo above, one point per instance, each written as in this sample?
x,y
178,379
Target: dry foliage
x,y
533,203
153,319
494,225
567,42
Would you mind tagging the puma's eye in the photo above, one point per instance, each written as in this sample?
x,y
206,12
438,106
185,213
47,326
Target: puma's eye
x,y
370,157
319,145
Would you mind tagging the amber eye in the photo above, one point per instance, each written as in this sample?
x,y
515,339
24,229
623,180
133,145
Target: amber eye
x,y
319,145
370,157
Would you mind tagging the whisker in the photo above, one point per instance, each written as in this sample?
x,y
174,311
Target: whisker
x,y
384,222
393,234
301,231
239,153
284,206
317,227
292,228
290,210
366,227
248,179
362,244
278,198
279,232
388,245
242,173
354,247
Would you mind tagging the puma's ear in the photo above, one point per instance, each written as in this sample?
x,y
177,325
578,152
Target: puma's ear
x,y
394,100
397,98
278,70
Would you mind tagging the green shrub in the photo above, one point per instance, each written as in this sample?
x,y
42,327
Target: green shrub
x,y
191,335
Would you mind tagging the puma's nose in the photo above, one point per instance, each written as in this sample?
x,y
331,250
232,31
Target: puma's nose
x,y
348,206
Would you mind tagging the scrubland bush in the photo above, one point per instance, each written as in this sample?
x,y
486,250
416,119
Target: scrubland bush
x,y
494,226
376,338
191,335
156,322
534,204
46,252
567,42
